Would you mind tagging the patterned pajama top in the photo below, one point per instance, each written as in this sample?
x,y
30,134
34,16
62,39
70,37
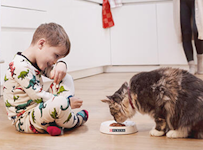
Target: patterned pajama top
x,y
22,89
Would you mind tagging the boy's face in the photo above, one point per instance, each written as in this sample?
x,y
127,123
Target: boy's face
x,y
47,55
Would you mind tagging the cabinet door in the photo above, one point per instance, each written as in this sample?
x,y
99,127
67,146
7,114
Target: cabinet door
x,y
170,50
90,43
134,36
17,18
40,5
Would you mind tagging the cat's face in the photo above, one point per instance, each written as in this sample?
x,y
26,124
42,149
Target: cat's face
x,y
119,105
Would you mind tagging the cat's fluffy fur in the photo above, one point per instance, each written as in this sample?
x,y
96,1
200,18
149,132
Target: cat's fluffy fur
x,y
173,97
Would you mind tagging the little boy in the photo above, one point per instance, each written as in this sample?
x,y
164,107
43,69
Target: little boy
x,y
32,109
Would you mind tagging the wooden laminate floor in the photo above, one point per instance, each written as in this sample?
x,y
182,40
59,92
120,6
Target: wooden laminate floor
x,y
88,137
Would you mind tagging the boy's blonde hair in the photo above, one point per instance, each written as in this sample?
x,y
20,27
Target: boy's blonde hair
x,y
54,34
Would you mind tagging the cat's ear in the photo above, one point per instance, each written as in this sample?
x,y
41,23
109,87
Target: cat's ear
x,y
107,101
109,97
124,88
125,84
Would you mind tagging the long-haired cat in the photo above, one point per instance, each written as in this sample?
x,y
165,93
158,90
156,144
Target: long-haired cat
x,y
172,97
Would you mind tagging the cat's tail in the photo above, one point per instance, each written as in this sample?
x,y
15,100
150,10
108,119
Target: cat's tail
x,y
197,131
199,135
196,135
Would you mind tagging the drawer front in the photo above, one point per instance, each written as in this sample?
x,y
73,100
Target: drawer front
x,y
21,18
28,4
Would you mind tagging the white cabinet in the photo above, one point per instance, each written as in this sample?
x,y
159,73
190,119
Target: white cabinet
x,y
144,34
170,51
134,36
90,43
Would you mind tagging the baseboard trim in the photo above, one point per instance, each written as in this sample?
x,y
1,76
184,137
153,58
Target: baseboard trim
x,y
139,68
86,72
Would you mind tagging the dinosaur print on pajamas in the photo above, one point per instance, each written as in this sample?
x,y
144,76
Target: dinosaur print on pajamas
x,y
38,101
41,106
62,89
20,89
54,114
38,73
4,88
44,123
12,69
15,98
21,113
33,116
23,74
32,83
20,124
5,78
7,104
70,115
23,106
68,103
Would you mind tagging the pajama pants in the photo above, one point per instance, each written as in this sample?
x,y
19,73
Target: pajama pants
x,y
56,111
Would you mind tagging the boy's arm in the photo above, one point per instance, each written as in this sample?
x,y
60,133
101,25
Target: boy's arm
x,y
56,72
28,78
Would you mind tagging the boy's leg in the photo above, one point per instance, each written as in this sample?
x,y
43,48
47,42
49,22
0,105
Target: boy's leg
x,y
53,112
56,111
23,124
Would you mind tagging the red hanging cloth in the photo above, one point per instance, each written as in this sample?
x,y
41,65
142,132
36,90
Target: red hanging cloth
x,y
107,17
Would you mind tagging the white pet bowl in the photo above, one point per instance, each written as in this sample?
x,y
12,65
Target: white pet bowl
x,y
129,128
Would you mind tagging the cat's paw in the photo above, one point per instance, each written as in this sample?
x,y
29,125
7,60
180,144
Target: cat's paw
x,y
155,132
176,134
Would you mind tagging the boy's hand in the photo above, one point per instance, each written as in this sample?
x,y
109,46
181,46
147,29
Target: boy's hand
x,y
58,72
75,102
